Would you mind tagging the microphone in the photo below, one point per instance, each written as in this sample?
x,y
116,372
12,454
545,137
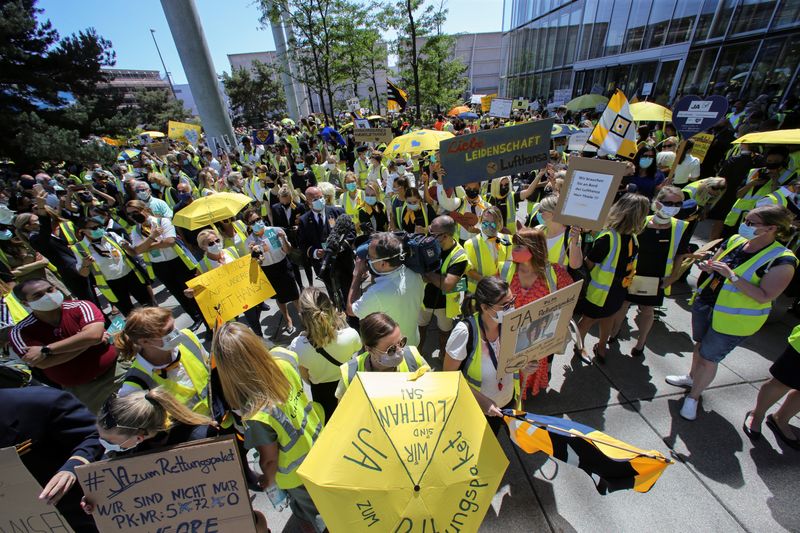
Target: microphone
x,y
343,231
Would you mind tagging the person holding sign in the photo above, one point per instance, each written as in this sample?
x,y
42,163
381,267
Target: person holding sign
x,y
564,243
734,295
486,251
612,263
387,350
280,422
663,244
474,204
502,197
474,346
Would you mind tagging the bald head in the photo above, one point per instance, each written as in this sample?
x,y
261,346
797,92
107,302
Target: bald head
x,y
312,193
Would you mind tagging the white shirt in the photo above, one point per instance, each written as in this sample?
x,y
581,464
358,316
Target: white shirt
x,y
177,374
457,349
159,207
687,171
225,258
320,370
157,255
268,240
399,295
215,165
113,266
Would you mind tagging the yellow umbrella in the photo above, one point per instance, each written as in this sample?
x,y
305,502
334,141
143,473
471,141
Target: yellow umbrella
x,y
771,137
209,209
586,101
405,453
416,142
346,127
374,117
153,134
458,110
650,111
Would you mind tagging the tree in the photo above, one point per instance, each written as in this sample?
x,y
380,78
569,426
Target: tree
x,y
254,95
154,108
41,76
442,80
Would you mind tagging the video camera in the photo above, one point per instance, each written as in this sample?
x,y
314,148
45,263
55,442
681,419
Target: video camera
x,y
421,253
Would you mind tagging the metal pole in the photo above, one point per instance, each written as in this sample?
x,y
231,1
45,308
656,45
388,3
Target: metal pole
x,y
187,32
286,74
169,79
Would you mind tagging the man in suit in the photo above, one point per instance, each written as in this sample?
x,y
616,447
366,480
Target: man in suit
x,y
54,433
286,214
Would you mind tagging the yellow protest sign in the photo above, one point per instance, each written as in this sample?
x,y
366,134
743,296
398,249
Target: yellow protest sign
x,y
486,102
230,290
183,131
702,141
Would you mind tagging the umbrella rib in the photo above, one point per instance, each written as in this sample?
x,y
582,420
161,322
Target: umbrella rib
x,y
444,425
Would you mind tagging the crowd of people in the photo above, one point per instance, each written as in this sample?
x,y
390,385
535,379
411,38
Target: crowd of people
x,y
82,248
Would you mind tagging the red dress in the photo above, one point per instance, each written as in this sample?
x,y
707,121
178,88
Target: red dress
x,y
538,380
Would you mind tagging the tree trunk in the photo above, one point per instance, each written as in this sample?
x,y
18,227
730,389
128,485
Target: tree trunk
x,y
414,66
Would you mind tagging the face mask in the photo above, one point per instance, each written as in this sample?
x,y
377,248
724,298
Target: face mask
x,y
748,232
472,193
111,447
52,183
669,211
5,235
503,190
498,317
97,233
143,195
401,169
215,248
521,256
745,152
301,166
390,361
350,186
171,340
318,204
371,200
49,302
560,148
645,162
413,207
259,227
489,229
156,186
139,218
99,220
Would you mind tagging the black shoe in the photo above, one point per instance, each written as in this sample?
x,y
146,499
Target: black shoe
x,y
599,357
789,441
636,352
751,433
613,340
197,324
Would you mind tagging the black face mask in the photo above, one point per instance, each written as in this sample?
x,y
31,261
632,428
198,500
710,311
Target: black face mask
x,y
472,193
503,190
139,218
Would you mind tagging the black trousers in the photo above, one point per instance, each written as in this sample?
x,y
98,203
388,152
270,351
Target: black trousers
x,y
325,395
127,286
174,275
80,287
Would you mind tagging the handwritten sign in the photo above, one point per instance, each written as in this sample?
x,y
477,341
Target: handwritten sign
x,y
538,329
702,142
373,135
230,290
198,486
183,131
406,453
500,107
494,153
590,186
21,510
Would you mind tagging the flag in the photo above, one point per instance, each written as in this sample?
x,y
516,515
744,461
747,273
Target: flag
x,y
396,97
615,132
612,464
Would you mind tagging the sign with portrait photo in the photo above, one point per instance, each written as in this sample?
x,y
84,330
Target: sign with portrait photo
x,y
588,192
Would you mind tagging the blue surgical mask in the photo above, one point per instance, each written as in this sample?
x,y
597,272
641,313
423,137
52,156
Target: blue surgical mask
x,y
318,204
6,234
117,448
259,227
301,166
350,186
99,220
97,233
748,232
371,200
645,162
413,207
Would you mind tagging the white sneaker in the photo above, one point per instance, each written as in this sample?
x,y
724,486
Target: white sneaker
x,y
689,409
684,381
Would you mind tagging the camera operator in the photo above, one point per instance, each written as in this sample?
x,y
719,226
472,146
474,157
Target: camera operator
x,y
396,290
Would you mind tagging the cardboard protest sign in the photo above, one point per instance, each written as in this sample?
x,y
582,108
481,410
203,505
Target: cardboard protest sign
x,y
702,142
561,96
588,192
493,153
198,486
500,107
695,114
537,330
183,131
159,148
520,103
578,142
263,137
373,135
229,290
486,102
20,507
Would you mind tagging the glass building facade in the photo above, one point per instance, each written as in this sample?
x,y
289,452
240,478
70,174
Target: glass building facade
x,y
667,48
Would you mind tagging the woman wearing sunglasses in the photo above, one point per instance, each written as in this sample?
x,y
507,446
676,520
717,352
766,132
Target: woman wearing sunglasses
x,y
474,348
387,350
488,250
662,247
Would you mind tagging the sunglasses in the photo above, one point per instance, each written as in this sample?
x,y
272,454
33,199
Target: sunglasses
x,y
508,305
392,350
670,204
669,146
212,243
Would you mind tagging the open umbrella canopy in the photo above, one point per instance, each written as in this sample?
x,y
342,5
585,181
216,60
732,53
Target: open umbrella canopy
x,y
650,111
153,134
287,122
468,116
771,137
458,110
406,453
210,209
128,153
586,101
374,117
416,142
563,130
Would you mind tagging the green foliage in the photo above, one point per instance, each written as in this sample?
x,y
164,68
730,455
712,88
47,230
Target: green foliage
x,y
442,82
44,141
154,108
254,95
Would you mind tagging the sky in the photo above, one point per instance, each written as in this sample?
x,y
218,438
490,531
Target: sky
x,y
231,26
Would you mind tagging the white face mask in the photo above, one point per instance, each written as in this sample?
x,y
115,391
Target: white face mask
x,y
171,340
49,302
669,211
111,447
215,248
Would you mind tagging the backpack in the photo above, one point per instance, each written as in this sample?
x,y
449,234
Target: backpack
x,y
422,252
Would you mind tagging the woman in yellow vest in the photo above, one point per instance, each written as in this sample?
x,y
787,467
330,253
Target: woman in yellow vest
x,y
414,215
154,238
662,245
564,243
506,200
612,264
387,350
264,387
734,295
488,250
785,382
372,216
474,349
352,196
104,255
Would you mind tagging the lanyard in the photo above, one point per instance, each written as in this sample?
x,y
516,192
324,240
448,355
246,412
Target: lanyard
x,y
492,355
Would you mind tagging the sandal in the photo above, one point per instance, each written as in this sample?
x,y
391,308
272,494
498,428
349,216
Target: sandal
x,y
751,433
790,442
584,357
599,357
636,352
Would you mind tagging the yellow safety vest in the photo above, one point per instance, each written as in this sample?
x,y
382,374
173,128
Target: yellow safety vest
x,y
472,367
412,361
15,308
511,213
99,279
735,313
749,200
230,242
779,197
349,205
194,360
297,425
68,232
361,170
481,260
794,338
602,275
452,300
677,229
400,213
205,263
558,252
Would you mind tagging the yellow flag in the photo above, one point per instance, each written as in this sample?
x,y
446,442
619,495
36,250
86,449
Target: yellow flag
x,y
615,133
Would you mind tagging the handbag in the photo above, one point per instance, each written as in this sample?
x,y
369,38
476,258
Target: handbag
x,y
644,285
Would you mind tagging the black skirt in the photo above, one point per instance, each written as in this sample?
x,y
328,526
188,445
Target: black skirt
x,y
786,368
614,300
282,280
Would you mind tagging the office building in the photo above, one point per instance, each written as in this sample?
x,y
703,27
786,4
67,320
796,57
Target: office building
x,y
480,53
125,82
654,49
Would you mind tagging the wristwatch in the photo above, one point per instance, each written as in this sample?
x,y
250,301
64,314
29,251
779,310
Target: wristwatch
x,y
734,278
46,351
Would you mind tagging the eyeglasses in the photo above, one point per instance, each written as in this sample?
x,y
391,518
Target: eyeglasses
x,y
212,243
107,420
508,305
668,146
487,224
259,219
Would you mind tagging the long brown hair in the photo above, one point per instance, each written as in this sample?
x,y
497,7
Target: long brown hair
x,y
534,240
141,323
250,376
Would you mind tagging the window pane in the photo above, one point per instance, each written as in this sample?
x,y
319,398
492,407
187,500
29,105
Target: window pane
x,y
658,23
788,14
586,35
561,40
752,15
551,41
616,29
600,29
663,84
572,33
732,67
680,29
697,71
773,69
637,25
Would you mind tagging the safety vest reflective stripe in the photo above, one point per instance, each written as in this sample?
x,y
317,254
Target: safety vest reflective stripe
x,y
481,259
350,205
779,197
15,308
794,338
602,275
557,253
411,362
691,189
68,232
99,278
749,200
452,300
205,263
361,170
677,228
511,213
